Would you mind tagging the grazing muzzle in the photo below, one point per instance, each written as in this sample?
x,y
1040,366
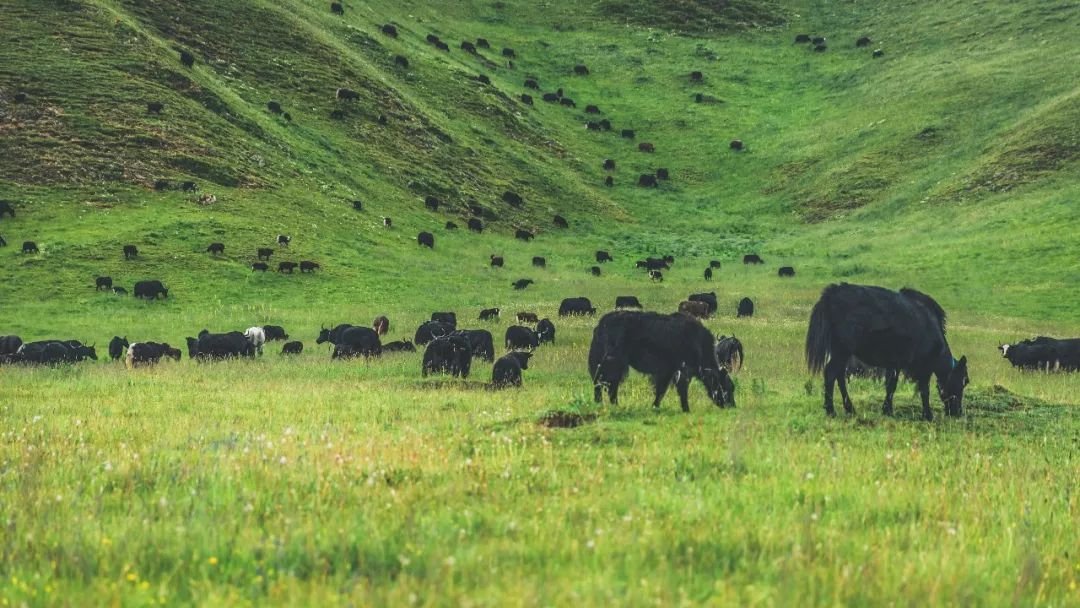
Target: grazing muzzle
x,y
719,385
952,392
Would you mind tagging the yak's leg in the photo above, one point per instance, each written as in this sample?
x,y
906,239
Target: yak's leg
x,y
661,381
682,385
841,380
833,372
613,391
598,391
891,377
924,392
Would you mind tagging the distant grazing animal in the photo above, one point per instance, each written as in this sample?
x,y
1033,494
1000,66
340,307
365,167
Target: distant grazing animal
x,y
189,186
475,225
489,314
116,347
442,46
520,338
609,181
286,267
653,264
786,271
357,341
560,222
480,341
381,325
432,202
400,346
591,109
274,107
662,173
522,283
709,299
736,144
9,345
609,164
52,352
257,337
332,335
283,240
576,306
863,41
628,133
802,38
656,275
603,256
526,99
150,290
752,258
818,40
260,267
821,47
130,251
581,70
187,59
746,308
539,262
627,302
1044,354
344,94
20,97
210,346
527,317
646,147
523,235
509,53
216,248
429,330
451,226
337,9
150,353
387,222
483,43
432,38
647,180
101,283
482,78
714,264
550,97
448,355
389,30
272,333
698,310
595,270
426,239
119,291
507,370
154,107
358,205
899,331
605,124
708,274
512,198
566,101
531,83
401,61
497,261
448,318
292,348
729,352
162,184
592,126
878,53
308,266
5,207
468,47
672,349
696,76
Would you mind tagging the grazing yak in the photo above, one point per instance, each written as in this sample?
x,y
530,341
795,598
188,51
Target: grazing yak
x,y
729,352
526,99
653,264
545,331
752,258
603,256
507,52
400,346
257,337
336,8
646,147
698,310
358,205
609,164
662,173
274,107
274,332
480,342
709,299
264,253
800,38
475,225
402,61
150,353
130,251
389,30
591,109
576,306
786,271
746,308
30,247
595,270
539,262
507,370
672,349
343,94
482,43
531,83
898,331
566,101
429,330
708,274
527,317
560,222
308,266
357,341
878,53
119,291
863,41
1044,354
647,180
432,202
154,107
103,283
448,355
216,248
260,267
609,181
714,264
53,352
581,70
736,144
381,325
210,346
628,133
497,261
292,348
522,283
627,302
489,314
150,290
332,335
512,198
283,240
286,267
518,337
116,347
426,239
387,222
187,59
656,275
468,47
550,97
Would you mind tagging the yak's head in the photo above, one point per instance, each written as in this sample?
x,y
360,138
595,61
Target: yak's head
x,y
719,385
952,390
172,353
324,336
193,347
90,351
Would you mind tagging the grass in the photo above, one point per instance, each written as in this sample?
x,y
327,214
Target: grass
x,y
949,165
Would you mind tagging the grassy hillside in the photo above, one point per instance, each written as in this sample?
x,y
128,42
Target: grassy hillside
x,y
949,164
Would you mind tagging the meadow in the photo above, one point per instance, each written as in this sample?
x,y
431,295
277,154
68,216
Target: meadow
x,y
948,165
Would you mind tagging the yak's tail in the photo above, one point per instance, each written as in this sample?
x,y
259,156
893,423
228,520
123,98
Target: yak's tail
x,y
819,336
